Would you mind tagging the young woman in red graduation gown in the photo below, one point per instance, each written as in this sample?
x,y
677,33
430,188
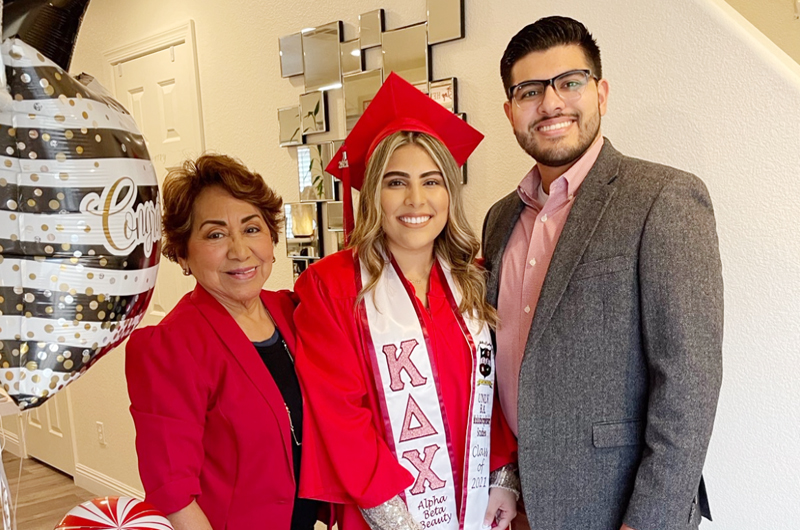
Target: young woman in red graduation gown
x,y
394,352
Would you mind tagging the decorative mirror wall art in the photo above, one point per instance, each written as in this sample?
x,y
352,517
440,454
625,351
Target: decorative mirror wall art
x,y
313,114
298,266
333,238
314,226
370,28
321,56
445,20
372,58
309,233
315,183
302,229
444,93
359,89
335,216
290,126
351,57
405,52
291,50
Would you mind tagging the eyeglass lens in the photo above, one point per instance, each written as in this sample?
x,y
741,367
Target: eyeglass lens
x,y
569,86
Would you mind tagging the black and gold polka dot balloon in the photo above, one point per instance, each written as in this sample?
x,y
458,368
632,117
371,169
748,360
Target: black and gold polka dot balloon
x,y
79,227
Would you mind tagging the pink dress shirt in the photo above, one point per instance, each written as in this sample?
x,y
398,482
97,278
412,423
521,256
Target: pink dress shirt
x,y
525,263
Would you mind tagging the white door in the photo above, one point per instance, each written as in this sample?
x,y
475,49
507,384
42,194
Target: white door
x,y
158,85
47,430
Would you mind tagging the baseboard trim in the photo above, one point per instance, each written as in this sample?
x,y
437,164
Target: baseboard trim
x,y
100,484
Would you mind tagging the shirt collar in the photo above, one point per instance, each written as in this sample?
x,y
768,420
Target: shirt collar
x,y
564,187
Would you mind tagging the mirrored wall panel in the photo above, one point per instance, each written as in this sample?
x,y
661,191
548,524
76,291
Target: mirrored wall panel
x,y
445,93
289,123
359,89
299,265
335,216
316,184
314,115
333,222
351,57
314,226
445,20
405,52
370,27
321,57
291,50
302,233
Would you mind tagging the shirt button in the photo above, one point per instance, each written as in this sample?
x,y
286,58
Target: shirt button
x,y
527,309
532,262
544,218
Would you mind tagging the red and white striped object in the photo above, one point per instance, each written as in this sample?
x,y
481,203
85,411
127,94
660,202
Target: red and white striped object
x,y
114,513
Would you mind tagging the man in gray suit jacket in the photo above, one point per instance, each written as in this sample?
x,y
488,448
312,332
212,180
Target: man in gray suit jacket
x,y
606,274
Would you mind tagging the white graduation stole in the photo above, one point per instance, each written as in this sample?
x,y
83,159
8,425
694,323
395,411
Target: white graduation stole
x,y
413,410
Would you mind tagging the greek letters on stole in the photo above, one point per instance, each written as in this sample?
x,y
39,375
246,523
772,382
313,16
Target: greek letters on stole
x,y
413,411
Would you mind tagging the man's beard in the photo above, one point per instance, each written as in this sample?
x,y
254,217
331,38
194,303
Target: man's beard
x,y
557,156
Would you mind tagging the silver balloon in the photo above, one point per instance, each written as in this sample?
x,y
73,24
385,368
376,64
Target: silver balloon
x,y
79,226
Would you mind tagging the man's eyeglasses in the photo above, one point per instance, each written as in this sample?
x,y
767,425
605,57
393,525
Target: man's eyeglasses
x,y
569,86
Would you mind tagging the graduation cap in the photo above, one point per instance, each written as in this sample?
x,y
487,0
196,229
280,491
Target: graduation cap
x,y
398,106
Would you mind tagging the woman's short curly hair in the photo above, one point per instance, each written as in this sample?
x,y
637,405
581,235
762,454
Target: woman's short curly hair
x,y
183,185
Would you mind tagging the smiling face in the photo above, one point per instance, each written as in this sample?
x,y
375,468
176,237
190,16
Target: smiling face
x,y
230,248
553,132
414,200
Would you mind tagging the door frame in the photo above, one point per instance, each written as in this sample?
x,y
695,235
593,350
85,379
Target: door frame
x,y
15,443
183,33
66,396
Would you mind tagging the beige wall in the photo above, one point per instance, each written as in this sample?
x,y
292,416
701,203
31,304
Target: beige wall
x,y
741,139
101,395
775,19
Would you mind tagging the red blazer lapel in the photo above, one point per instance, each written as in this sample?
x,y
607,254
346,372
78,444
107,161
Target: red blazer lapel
x,y
243,352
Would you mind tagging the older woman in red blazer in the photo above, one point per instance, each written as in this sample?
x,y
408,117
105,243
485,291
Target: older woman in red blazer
x,y
214,395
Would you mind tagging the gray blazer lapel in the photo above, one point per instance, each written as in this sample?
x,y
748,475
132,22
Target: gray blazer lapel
x,y
498,227
590,204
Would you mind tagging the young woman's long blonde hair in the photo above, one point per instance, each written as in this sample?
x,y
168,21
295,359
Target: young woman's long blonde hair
x,y
457,244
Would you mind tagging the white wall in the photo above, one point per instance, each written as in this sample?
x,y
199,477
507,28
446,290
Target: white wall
x,y
692,85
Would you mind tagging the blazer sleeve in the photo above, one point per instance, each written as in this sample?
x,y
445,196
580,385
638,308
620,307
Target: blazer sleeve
x,y
345,459
168,404
681,296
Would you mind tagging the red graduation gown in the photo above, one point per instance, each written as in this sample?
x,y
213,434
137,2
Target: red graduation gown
x,y
346,459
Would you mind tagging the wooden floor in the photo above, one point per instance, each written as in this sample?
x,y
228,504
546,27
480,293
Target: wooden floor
x,y
45,495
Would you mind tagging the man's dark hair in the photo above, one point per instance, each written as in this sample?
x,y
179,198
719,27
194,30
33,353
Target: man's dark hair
x,y
544,34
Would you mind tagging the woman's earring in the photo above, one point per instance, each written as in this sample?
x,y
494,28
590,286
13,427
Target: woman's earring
x,y
187,272
273,259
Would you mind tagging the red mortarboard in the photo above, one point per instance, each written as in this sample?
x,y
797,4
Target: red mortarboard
x,y
398,106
